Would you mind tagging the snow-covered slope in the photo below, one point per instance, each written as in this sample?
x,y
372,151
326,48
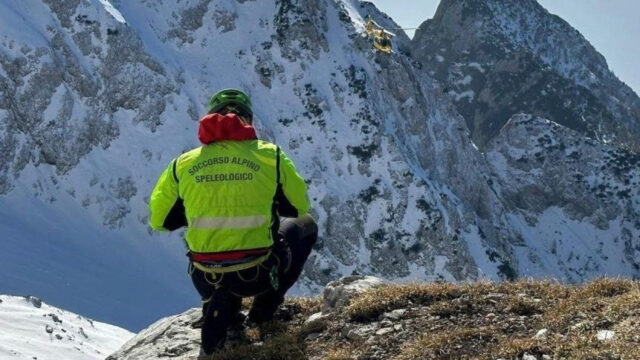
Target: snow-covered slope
x,y
497,58
575,201
96,98
31,329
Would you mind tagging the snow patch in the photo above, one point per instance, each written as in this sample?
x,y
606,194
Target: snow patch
x,y
468,94
476,66
113,11
465,80
487,269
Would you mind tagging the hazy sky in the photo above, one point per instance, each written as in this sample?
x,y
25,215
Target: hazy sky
x,y
611,26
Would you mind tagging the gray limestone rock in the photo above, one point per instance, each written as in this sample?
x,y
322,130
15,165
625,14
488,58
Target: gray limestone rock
x,y
168,338
337,294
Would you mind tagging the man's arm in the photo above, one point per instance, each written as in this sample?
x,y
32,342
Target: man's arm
x,y
291,196
165,206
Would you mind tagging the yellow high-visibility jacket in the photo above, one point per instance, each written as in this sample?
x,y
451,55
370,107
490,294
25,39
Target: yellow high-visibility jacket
x,y
228,194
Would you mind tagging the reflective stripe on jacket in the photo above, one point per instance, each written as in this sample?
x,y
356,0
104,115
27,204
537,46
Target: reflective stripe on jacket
x,y
225,193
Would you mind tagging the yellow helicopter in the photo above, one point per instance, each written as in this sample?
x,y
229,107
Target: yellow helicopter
x,y
381,37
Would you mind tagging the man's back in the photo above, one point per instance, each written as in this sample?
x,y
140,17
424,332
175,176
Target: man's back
x,y
228,189
226,193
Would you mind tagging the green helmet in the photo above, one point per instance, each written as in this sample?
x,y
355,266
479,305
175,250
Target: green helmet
x,y
230,97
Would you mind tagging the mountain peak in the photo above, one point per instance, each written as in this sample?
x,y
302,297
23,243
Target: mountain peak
x,y
499,58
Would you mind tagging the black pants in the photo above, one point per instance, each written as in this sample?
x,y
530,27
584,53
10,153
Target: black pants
x,y
267,282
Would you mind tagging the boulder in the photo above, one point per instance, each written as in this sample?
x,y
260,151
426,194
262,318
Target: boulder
x,y
339,293
168,338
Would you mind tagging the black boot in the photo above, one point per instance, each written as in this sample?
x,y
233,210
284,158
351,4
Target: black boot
x,y
238,322
221,312
264,307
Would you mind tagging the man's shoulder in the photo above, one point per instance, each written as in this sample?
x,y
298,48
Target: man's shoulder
x,y
187,157
195,152
265,145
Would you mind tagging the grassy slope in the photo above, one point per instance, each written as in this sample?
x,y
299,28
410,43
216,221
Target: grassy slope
x,y
467,321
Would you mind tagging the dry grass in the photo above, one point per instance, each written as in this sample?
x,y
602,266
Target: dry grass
x,y
342,353
461,321
284,346
386,298
584,308
373,303
573,321
460,343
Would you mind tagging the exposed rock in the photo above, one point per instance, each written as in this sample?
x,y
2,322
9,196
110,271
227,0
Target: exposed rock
x,y
604,335
315,317
34,301
385,331
166,339
313,336
361,332
55,318
541,334
395,314
337,294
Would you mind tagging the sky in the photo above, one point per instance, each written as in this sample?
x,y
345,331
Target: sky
x,y
611,26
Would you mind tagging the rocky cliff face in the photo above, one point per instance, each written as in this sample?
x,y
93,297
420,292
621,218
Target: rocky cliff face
x,y
498,58
575,199
98,97
63,82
